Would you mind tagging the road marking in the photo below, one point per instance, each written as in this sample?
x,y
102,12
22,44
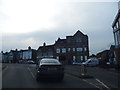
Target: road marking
x,y
31,73
92,84
103,84
5,68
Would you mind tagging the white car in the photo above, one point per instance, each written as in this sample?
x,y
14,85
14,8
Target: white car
x,y
91,62
77,63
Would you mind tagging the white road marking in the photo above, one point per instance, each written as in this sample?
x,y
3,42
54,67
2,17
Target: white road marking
x,y
5,68
31,73
103,84
92,84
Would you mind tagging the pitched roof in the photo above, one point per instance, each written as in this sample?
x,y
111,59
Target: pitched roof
x,y
48,46
60,41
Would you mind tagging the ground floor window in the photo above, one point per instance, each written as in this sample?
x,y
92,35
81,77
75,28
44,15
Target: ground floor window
x,y
57,57
74,59
85,58
81,58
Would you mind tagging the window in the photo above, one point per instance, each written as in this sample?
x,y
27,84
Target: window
x,y
78,39
74,58
58,50
117,25
85,49
63,50
119,21
73,49
115,28
85,58
81,57
79,49
118,37
68,49
57,57
116,43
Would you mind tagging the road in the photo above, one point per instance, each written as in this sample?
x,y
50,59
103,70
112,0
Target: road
x,y
23,76
107,77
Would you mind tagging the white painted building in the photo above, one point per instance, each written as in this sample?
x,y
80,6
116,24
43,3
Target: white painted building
x,y
27,55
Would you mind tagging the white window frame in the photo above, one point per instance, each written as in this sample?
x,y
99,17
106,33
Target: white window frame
x,y
81,57
57,57
57,50
69,49
85,49
74,58
73,49
85,58
79,49
63,50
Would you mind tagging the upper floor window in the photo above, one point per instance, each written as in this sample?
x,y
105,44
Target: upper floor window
x,y
68,49
63,50
79,49
78,39
74,58
58,50
85,49
73,49
117,25
114,28
119,21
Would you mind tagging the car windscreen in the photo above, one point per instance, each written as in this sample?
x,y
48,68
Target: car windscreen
x,y
50,61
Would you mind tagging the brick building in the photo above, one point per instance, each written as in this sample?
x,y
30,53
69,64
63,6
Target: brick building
x,y
104,55
72,49
45,51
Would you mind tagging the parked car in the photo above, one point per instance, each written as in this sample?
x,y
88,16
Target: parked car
x,y
31,62
22,61
49,68
91,62
77,63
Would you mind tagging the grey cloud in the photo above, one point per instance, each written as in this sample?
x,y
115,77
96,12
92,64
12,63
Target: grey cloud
x,y
93,19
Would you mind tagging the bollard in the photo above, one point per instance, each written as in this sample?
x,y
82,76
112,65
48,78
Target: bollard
x,y
84,72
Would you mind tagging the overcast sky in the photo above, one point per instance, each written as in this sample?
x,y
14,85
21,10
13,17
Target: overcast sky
x,y
26,23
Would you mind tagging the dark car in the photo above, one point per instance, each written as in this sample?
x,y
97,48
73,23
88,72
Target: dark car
x,y
49,68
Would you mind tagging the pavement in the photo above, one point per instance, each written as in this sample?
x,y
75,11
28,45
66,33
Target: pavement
x,y
77,70
96,76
